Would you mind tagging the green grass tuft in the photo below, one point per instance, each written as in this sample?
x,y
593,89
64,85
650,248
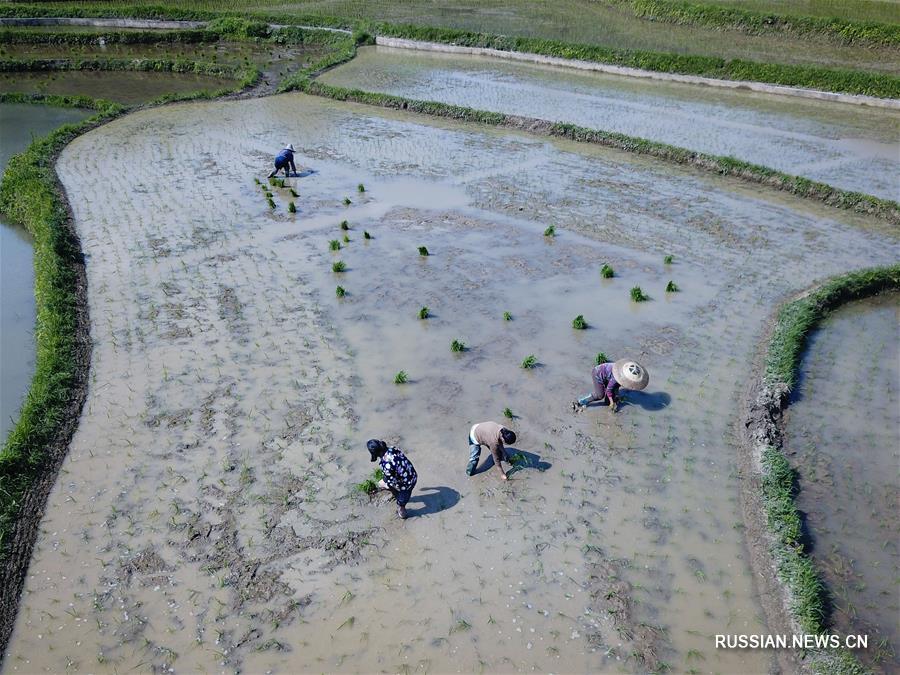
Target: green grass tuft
x,y
508,414
345,226
370,485
360,188
423,313
607,271
668,260
550,231
366,234
578,323
347,201
529,362
507,316
601,358
292,207
334,245
338,266
401,378
340,292
423,251
671,287
457,346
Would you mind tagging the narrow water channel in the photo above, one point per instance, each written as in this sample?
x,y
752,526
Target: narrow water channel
x,y
18,125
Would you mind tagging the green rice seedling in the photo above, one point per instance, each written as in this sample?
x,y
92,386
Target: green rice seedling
x,y
334,245
423,251
360,188
423,313
638,295
550,231
457,346
347,201
460,625
345,225
294,193
578,323
256,180
401,378
370,484
601,358
366,234
507,316
508,414
607,272
271,180
529,361
338,266
271,203
269,194
348,623
279,183
668,260
346,239
671,287
292,207
340,292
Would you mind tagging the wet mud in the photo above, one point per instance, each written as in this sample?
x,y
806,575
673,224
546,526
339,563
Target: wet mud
x,y
842,434
206,517
852,147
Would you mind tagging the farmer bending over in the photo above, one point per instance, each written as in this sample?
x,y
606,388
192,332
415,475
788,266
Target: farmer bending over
x,y
494,436
284,160
608,377
399,474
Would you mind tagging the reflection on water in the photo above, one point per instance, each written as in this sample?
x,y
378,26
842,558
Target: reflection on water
x,y
843,433
18,125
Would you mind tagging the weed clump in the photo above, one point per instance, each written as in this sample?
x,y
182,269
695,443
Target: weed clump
x,y
507,316
423,251
423,313
529,362
360,188
339,266
508,414
401,377
345,225
578,323
340,292
334,245
292,207
607,272
550,231
638,295
457,346
366,234
370,485
668,260
671,287
601,358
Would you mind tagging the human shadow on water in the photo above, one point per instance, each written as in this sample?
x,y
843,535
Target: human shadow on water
x,y
302,174
433,500
656,400
519,459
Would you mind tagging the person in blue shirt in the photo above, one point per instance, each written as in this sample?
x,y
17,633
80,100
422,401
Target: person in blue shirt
x,y
285,160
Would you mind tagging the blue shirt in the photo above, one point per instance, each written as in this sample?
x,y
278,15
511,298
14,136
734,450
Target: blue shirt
x,y
285,156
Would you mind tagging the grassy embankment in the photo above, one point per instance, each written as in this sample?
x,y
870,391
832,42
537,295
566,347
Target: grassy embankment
x,y
794,75
754,22
808,596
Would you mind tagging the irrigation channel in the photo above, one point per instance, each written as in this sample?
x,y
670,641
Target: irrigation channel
x,y
844,435
18,125
205,517
852,147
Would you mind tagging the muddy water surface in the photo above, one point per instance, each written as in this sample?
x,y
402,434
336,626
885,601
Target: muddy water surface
x,y
854,147
843,433
128,88
19,124
206,517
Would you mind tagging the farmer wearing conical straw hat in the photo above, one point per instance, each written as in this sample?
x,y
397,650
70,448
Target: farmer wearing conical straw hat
x,y
608,377
285,160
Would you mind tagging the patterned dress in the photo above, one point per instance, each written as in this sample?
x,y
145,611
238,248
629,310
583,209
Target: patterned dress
x,y
399,473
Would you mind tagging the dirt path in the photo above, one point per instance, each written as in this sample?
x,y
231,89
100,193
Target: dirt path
x,y
205,520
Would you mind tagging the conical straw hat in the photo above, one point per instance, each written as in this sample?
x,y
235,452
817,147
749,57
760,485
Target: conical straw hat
x,y
630,374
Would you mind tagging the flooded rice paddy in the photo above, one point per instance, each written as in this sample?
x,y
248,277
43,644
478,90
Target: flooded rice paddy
x,y
601,24
274,61
19,124
843,433
853,147
125,87
205,518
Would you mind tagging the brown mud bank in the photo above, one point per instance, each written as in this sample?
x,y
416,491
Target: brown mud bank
x,y
205,517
